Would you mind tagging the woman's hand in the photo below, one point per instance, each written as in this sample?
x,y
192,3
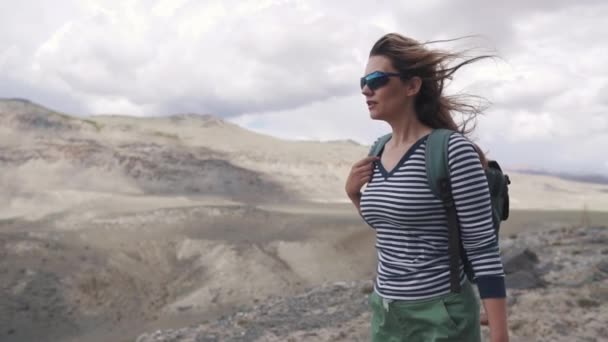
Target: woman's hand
x,y
483,319
496,310
360,173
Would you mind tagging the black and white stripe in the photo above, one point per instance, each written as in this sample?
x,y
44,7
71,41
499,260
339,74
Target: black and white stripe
x,y
411,225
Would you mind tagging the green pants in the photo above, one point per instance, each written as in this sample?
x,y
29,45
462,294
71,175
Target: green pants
x,y
452,317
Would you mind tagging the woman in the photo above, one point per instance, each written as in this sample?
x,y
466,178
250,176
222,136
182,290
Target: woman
x,y
412,300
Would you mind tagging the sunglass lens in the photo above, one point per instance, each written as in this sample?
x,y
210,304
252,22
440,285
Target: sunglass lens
x,y
374,82
377,82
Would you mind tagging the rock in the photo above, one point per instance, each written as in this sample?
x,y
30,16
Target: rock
x,y
600,271
519,259
522,280
600,293
548,267
512,299
587,303
184,308
367,287
603,266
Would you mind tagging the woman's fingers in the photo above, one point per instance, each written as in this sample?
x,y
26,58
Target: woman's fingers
x,y
364,161
365,167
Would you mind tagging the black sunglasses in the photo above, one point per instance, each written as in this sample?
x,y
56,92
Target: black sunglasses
x,y
376,79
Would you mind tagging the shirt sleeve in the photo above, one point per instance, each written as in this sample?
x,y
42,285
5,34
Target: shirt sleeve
x,y
473,206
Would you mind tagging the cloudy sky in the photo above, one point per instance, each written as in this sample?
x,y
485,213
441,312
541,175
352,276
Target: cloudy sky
x,y
291,68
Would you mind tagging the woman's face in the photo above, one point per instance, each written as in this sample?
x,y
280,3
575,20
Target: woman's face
x,y
385,93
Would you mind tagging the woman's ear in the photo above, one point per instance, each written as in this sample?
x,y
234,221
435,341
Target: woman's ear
x,y
413,85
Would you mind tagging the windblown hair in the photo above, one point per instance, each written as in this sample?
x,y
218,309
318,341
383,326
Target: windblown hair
x,y
434,67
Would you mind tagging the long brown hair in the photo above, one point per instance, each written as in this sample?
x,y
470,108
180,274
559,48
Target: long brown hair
x,y
433,108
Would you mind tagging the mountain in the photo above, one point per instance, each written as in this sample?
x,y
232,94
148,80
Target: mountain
x,y
593,178
46,152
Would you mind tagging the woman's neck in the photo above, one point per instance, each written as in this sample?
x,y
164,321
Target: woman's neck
x,y
407,129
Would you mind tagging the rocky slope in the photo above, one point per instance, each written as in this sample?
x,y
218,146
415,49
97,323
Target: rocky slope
x,y
557,291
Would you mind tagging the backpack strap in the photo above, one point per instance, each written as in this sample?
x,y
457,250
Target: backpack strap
x,y
436,160
378,145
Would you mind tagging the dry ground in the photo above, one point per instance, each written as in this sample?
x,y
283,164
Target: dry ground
x,y
99,276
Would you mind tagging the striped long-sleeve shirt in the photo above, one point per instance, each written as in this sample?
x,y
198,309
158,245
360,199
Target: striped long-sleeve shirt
x,y
411,225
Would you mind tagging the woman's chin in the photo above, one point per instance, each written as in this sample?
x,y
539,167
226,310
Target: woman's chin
x,y
375,115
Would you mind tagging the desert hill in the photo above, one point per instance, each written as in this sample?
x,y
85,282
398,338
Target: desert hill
x,y
202,155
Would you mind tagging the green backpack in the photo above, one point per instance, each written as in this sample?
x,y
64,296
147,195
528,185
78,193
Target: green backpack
x,y
438,177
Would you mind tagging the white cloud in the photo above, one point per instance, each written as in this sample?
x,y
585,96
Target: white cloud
x,y
215,56
290,68
335,118
167,8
